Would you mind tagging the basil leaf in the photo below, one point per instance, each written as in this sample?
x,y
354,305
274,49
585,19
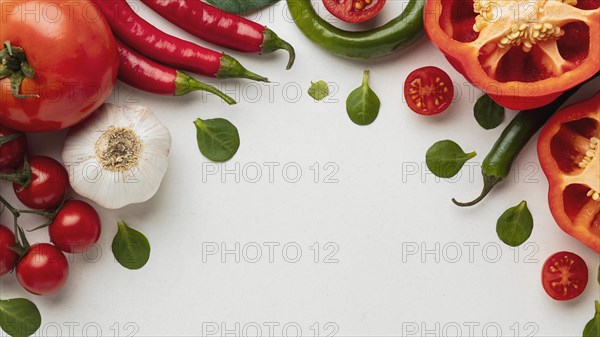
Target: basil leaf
x,y
240,6
130,247
218,139
363,104
445,158
19,317
592,328
515,225
318,90
488,113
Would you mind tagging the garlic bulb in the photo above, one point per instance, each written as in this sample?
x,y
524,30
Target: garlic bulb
x,y
118,156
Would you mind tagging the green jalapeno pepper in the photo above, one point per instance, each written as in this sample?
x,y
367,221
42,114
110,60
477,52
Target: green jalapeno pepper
x,y
497,165
394,36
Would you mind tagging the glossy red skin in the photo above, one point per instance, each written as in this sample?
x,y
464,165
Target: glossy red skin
x,y
211,24
427,75
8,258
13,152
346,11
43,270
141,72
556,200
156,44
48,186
75,62
578,273
513,95
76,227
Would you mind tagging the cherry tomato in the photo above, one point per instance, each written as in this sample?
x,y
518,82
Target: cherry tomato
x,y
12,152
48,186
8,258
43,270
354,11
564,276
75,227
74,58
428,91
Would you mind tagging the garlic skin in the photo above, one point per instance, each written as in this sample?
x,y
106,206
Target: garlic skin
x,y
118,156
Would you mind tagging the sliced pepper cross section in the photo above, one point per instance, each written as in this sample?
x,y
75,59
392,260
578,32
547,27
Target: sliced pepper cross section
x,y
569,152
523,53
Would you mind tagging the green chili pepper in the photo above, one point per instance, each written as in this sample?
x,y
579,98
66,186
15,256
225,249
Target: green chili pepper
x,y
496,166
395,35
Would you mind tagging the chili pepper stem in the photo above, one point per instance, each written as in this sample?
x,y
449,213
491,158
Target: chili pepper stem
x,y
272,42
230,67
185,84
488,184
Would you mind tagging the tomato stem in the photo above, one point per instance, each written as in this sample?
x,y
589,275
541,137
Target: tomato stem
x,y
6,139
14,66
22,177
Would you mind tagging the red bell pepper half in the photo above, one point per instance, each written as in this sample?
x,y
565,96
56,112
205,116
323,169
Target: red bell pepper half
x,y
569,152
523,54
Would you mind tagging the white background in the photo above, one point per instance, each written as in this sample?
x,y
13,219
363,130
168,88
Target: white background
x,y
382,202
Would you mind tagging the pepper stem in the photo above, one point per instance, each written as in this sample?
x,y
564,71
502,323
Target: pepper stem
x,y
488,184
14,66
231,68
184,84
272,42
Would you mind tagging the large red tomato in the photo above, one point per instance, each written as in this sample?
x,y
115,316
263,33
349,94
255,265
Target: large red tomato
x,y
73,54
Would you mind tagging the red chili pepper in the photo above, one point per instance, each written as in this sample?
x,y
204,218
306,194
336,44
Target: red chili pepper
x,y
154,43
219,27
143,73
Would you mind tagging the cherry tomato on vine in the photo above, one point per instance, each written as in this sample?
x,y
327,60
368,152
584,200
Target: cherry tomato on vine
x,y
43,270
564,276
8,258
428,91
354,11
75,227
12,152
48,185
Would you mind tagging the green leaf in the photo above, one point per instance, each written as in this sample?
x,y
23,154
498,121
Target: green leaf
x,y
241,6
445,158
130,247
218,139
363,104
515,225
592,328
488,113
318,90
19,317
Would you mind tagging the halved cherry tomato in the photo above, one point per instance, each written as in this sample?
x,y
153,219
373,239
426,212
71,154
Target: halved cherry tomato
x,y
354,11
428,91
564,276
